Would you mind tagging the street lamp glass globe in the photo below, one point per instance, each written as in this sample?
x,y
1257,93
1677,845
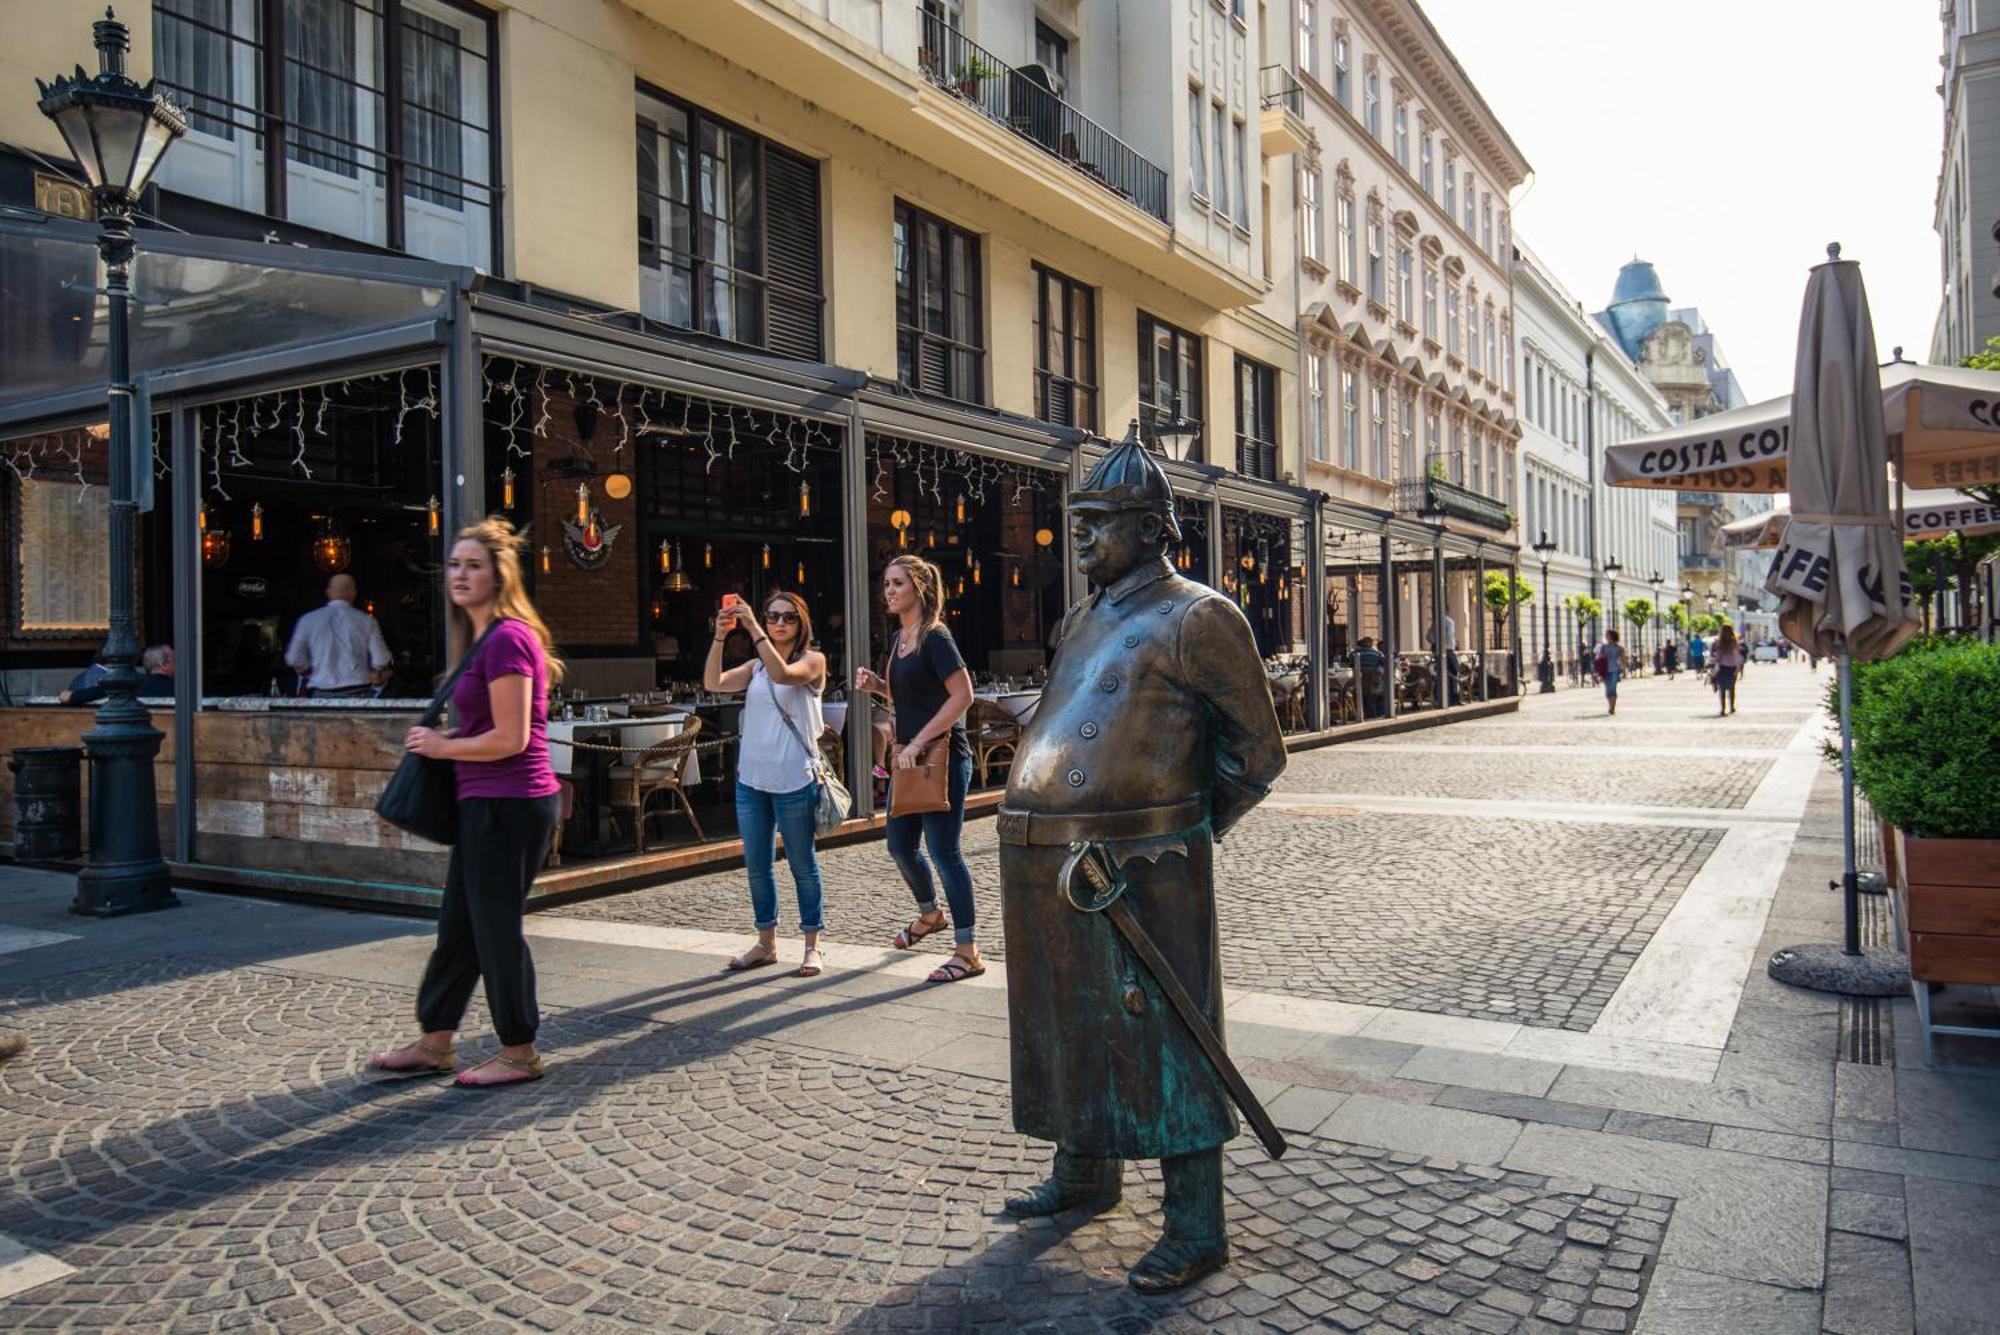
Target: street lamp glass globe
x,y
115,128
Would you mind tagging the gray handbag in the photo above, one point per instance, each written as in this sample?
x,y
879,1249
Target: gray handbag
x,y
834,799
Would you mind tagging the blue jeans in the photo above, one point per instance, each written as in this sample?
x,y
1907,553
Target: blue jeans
x,y
760,818
940,830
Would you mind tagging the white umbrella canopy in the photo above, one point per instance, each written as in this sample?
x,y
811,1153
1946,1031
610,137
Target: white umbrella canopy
x,y
1840,570
1948,419
1929,514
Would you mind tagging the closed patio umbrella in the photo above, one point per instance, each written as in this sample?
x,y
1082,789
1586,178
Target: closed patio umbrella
x,y
1840,568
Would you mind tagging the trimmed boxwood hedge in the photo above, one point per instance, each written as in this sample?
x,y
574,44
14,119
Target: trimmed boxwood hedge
x,y
1927,741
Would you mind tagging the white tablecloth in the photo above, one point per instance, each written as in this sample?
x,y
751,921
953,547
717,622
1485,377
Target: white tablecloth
x,y
637,736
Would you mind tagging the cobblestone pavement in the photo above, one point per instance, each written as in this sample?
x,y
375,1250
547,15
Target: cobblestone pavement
x,y
1601,731
199,1144
1534,921
1648,780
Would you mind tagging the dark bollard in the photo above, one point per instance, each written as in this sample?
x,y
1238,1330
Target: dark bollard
x,y
48,803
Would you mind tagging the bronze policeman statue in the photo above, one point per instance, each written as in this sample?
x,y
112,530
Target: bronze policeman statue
x,y
1155,734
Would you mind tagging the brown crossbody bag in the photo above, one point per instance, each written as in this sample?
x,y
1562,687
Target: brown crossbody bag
x,y
925,786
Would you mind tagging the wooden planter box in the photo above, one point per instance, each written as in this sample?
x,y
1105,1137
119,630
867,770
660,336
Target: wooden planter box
x,y
1948,898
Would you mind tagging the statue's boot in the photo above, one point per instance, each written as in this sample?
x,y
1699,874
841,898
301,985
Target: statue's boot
x,y
1194,1243
1076,1183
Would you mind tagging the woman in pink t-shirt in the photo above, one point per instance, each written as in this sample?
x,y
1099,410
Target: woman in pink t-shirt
x,y
508,805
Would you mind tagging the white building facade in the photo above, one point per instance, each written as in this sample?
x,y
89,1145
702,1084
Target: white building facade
x,y
1579,395
1968,186
1405,296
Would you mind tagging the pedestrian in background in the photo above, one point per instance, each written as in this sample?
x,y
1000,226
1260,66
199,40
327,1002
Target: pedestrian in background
x,y
776,793
339,647
928,691
508,804
1728,666
1610,668
1673,652
1697,653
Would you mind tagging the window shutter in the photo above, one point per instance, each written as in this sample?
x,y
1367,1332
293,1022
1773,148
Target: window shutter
x,y
792,254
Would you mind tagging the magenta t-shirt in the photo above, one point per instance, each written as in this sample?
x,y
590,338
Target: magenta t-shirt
x,y
510,649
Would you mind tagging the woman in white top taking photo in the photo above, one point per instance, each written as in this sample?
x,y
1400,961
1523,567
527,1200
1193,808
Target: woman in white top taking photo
x,y
775,789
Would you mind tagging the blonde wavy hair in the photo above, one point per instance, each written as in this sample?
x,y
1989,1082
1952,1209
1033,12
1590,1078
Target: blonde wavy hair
x,y
928,581
503,547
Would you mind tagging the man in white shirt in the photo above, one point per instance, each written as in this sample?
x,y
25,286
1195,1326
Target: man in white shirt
x,y
339,647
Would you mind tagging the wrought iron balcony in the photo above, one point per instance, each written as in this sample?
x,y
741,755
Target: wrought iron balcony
x,y
1433,497
1022,101
1281,90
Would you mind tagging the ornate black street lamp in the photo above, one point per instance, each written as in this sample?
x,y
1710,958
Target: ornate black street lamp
x,y
1175,434
1543,546
1611,569
118,131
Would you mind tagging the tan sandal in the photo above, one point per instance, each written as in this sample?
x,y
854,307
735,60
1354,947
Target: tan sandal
x,y
812,965
441,1060
531,1069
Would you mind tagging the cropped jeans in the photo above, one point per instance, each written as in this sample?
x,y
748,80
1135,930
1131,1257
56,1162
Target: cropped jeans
x,y
940,831
760,818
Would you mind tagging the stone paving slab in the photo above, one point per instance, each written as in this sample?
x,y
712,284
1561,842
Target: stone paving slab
x,y
1597,732
1654,780
1535,922
199,1143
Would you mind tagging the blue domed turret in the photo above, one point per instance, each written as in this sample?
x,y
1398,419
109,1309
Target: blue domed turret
x,y
1638,306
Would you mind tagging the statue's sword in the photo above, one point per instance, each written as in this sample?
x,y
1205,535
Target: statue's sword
x,y
1107,887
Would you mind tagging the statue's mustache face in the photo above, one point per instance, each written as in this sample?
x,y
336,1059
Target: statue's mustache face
x,y
1109,543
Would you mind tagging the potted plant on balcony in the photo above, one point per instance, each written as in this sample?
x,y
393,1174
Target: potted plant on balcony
x,y
1927,757
972,73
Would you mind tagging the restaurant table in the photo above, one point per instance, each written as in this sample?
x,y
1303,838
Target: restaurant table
x,y
1021,704
593,777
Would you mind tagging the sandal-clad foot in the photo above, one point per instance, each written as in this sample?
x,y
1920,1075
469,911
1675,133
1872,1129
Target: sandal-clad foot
x,y
417,1058
759,955
812,965
958,968
502,1070
920,928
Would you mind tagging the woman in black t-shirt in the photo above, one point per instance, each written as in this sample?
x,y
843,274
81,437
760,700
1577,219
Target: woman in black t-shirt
x,y
930,691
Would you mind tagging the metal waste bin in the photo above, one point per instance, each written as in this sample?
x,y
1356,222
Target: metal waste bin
x,y
48,802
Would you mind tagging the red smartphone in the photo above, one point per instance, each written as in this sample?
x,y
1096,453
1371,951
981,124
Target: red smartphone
x,y
729,601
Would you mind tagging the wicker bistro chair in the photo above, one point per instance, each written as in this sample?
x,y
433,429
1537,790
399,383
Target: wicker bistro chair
x,y
833,750
995,735
660,768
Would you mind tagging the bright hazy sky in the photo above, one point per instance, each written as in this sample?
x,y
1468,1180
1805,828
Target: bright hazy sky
x,y
1727,141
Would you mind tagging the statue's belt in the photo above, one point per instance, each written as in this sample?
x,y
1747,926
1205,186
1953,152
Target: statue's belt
x,y
1035,827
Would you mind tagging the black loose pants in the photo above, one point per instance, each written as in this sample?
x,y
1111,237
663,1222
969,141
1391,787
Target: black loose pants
x,y
502,843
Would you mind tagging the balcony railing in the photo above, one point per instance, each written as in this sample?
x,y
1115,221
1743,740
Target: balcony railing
x,y
1022,101
1281,89
1435,496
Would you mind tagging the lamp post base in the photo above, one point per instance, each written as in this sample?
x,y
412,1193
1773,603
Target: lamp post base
x,y
1875,972
1545,672
125,873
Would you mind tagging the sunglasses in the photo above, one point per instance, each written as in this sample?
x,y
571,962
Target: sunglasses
x,y
782,616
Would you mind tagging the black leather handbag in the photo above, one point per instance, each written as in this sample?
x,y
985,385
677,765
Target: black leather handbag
x,y
422,795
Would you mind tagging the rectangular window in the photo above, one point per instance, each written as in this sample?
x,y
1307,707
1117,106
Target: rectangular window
x,y
1402,134
1350,418
1486,222
1450,186
940,338
1169,380
1490,365
1316,403
1343,91
1406,286
1376,278
1471,200
1256,420
1451,345
1430,302
1506,237
1344,218
1472,333
729,231
341,69
1309,37
1314,220
1371,98
1242,146
1378,425
1426,176
1406,454
1052,54
1197,154
1065,350
1218,144
1431,442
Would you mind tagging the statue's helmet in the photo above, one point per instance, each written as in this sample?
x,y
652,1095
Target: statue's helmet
x,y
1129,478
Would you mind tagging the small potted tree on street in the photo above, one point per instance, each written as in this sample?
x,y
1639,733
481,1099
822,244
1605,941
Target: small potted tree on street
x,y
1927,756
1638,612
